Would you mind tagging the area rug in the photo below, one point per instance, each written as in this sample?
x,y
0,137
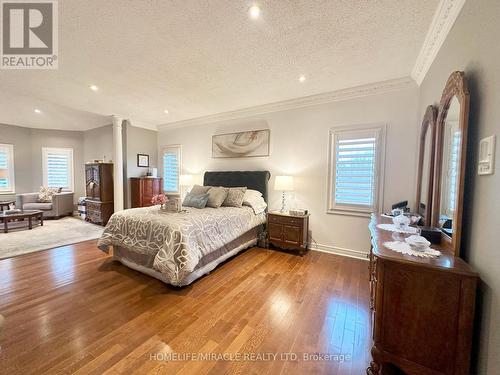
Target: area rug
x,y
53,233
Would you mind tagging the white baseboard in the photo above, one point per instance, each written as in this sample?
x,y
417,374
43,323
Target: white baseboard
x,y
339,251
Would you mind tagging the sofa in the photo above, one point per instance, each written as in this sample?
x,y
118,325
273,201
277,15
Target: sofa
x,y
61,205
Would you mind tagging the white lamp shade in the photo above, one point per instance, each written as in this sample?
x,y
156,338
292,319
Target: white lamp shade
x,y
186,180
283,183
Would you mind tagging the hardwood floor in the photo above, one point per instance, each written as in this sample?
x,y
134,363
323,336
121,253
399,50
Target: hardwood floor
x,y
74,310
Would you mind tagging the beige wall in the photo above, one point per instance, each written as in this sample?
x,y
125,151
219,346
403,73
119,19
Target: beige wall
x,y
473,46
299,146
98,144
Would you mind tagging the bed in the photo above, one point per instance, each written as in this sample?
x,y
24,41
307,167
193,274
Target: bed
x,y
178,248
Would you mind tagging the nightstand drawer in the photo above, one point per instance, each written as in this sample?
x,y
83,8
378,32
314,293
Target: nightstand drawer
x,y
285,220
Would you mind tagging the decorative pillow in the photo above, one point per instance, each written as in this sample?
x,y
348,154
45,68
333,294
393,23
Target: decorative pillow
x,y
199,190
257,203
45,194
216,195
196,201
251,195
235,197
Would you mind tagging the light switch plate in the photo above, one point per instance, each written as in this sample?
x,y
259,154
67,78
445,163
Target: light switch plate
x,y
487,156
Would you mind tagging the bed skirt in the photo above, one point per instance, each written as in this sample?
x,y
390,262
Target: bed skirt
x,y
144,262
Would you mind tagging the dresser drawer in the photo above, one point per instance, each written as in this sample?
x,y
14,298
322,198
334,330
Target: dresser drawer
x,y
286,220
92,207
94,216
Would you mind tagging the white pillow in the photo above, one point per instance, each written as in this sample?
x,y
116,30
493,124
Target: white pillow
x,y
251,193
255,201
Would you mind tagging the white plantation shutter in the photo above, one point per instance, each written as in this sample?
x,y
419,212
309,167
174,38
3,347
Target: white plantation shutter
x,y
355,168
58,168
450,162
455,150
171,169
6,168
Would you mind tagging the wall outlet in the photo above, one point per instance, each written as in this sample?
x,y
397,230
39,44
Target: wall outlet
x,y
487,156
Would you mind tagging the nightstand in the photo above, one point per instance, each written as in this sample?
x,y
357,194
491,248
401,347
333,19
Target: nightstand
x,y
288,232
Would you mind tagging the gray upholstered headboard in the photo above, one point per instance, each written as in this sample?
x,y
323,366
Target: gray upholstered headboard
x,y
256,180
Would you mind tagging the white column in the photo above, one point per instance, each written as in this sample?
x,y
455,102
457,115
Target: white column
x,y
118,160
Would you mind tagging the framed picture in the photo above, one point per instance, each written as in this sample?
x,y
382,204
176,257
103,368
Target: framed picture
x,y
143,160
240,145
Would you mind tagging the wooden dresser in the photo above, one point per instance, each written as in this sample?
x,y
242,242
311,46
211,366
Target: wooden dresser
x,y
288,232
99,192
142,189
423,310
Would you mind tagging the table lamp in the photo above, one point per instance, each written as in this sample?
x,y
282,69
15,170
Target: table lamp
x,y
283,184
185,182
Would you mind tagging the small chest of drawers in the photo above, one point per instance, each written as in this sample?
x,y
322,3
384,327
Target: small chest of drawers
x,y
288,232
98,212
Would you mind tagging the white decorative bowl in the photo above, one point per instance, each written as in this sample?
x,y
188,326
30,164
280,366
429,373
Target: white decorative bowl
x,y
401,221
417,243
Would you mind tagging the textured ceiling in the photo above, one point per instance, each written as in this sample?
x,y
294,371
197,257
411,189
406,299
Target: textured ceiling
x,y
198,58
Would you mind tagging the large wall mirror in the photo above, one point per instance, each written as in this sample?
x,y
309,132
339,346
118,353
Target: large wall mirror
x,y
451,151
425,174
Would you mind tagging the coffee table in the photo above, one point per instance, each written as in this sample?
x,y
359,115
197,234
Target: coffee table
x,y
19,218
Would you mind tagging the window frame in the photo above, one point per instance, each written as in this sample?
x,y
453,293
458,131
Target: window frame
x,y
379,130
178,149
69,151
11,170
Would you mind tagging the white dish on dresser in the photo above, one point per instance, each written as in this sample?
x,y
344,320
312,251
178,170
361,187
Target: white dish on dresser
x,y
417,243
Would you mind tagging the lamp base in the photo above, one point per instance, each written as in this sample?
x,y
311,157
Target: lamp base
x,y
283,210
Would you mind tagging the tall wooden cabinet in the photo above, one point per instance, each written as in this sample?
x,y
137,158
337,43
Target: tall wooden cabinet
x,y
99,192
142,190
423,310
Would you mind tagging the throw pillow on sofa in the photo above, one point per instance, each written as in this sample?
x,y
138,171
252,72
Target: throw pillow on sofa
x,y
45,194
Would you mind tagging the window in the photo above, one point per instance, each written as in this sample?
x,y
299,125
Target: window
x,y
58,168
171,169
355,169
7,168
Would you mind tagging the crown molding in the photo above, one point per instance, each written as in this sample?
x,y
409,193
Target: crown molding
x,y
446,14
139,124
333,96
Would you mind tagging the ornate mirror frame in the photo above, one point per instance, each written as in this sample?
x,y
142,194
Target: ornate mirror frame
x,y
428,124
456,86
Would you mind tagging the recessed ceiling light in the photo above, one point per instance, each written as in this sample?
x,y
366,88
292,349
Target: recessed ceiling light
x,y
37,110
302,78
166,111
94,87
254,12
